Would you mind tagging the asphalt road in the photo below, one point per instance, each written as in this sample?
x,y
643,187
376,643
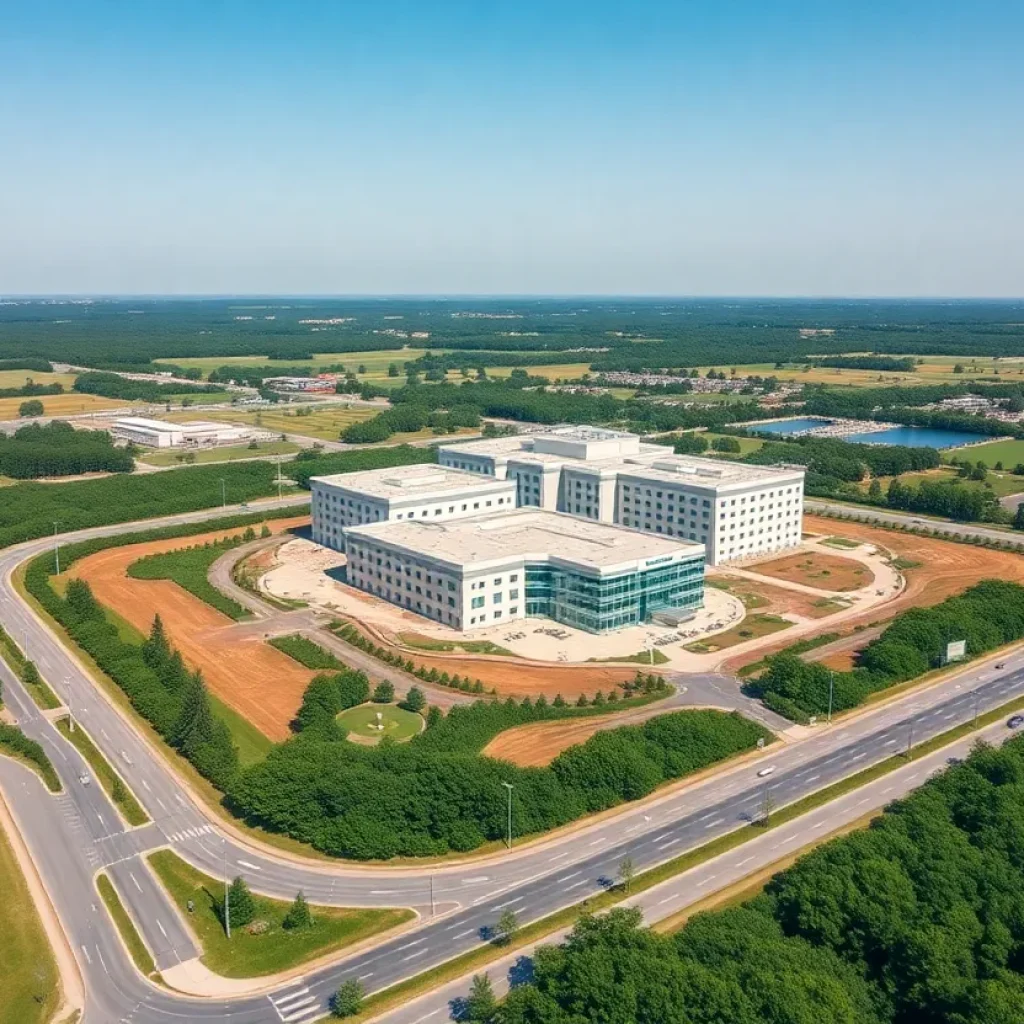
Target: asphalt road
x,y
71,836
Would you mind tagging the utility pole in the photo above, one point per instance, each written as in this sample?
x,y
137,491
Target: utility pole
x,y
508,786
975,698
431,895
227,896
831,691
56,548
223,494
767,804
279,478
910,739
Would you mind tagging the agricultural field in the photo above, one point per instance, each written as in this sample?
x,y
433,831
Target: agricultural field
x,y
747,445
19,378
225,454
324,422
554,371
69,404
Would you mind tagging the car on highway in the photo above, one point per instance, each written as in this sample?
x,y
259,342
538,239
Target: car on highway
x,y
766,771
84,779
1000,664
1015,721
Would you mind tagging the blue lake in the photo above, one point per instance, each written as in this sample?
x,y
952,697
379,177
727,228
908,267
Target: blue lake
x,y
788,426
917,437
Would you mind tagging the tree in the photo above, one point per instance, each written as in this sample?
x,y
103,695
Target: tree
x,y
30,674
348,1000
194,725
414,700
393,370
1018,517
31,408
481,1005
384,692
875,489
726,444
508,925
298,915
626,873
240,903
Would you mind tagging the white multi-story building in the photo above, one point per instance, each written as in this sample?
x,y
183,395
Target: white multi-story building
x,y
422,492
193,434
735,510
490,569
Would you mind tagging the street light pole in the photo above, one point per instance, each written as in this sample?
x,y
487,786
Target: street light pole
x,y
831,691
223,494
279,478
508,786
56,548
975,707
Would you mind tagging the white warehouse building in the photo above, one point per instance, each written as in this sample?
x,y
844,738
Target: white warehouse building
x,y
735,510
193,434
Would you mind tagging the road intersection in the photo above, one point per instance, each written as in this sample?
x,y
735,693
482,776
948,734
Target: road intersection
x,y
73,835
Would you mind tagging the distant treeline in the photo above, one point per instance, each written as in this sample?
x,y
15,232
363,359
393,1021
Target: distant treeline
x,y
32,390
57,449
889,363
112,385
27,363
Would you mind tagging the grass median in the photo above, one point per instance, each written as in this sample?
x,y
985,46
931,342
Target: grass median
x,y
120,795
265,946
30,993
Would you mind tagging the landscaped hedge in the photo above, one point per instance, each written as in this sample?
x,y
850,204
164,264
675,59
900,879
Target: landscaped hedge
x,y
305,652
16,742
986,616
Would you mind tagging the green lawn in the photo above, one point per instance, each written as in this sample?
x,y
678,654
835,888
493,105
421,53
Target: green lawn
x,y
30,993
752,626
252,745
1009,453
747,445
651,657
428,643
999,483
249,955
225,454
119,793
398,724
842,542
325,422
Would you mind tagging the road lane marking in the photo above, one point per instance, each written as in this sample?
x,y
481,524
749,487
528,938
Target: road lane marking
x,y
412,956
508,903
409,945
135,880
87,957
159,925
251,867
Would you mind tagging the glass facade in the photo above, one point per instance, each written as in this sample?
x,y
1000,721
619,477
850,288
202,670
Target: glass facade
x,y
598,604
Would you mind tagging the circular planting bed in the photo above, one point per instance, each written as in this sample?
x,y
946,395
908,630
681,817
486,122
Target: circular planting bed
x,y
364,726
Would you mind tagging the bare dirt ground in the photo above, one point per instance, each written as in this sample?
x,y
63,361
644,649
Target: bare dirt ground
x,y
816,569
945,568
258,681
774,600
541,742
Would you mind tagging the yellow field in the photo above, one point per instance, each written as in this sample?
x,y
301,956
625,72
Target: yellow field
x,y
69,404
19,378
326,423
553,372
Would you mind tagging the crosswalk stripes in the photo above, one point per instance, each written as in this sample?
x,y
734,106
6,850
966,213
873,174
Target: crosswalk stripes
x,y
297,1005
189,833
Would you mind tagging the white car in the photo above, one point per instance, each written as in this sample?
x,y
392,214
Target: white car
x,y
84,779
766,771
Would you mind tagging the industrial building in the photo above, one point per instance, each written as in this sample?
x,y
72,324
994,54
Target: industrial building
x,y
735,510
494,568
194,434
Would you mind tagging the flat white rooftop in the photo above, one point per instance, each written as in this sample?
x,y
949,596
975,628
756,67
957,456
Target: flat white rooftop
x,y
142,423
418,481
527,534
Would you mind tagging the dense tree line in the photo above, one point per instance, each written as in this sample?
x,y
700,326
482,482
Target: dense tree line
x,y
880,402
31,390
986,616
27,363
112,385
889,363
29,510
57,449
437,793
844,460
408,418
918,919
308,464
947,498
14,741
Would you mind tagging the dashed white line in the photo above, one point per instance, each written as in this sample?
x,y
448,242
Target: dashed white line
x,y
159,925
251,867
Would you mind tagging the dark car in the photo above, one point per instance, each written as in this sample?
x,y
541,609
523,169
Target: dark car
x,y
1016,721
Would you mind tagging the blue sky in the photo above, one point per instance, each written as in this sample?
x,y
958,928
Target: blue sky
x,y
726,148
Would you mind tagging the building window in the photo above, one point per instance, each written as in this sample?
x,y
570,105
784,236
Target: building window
x,y
477,602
